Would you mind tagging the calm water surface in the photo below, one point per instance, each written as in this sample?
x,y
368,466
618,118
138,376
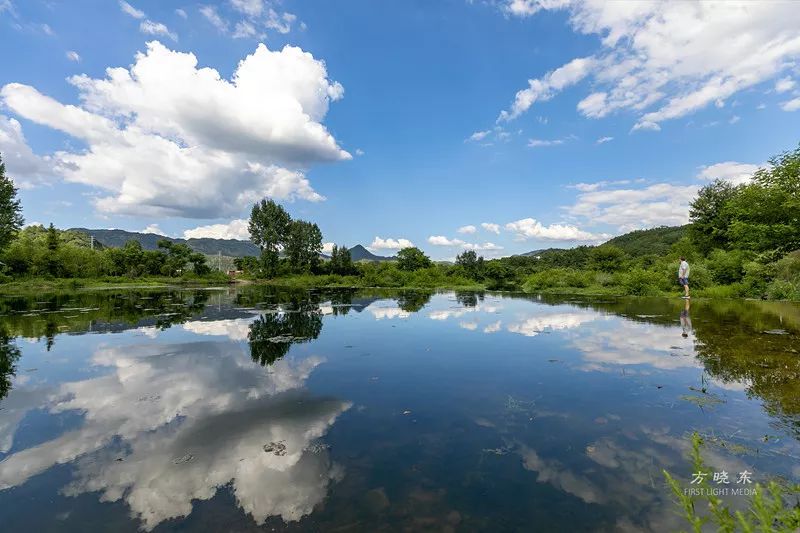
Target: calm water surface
x,y
256,409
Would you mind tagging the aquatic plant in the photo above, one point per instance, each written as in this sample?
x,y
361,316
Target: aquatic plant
x,y
770,507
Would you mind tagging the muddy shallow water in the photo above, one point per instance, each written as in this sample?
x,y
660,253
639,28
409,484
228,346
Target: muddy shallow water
x,y
250,409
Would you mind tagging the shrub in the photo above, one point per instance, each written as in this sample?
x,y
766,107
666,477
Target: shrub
x,y
640,282
727,266
558,277
783,290
788,268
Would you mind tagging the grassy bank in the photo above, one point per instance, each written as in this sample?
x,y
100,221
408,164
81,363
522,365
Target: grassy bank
x,y
560,285
34,285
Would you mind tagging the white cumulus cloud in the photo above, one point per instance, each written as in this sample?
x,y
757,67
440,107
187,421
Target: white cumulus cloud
x,y
156,28
441,240
467,230
784,84
791,105
72,55
235,229
22,165
665,60
529,228
130,10
628,209
491,227
379,243
212,145
548,86
154,229
731,171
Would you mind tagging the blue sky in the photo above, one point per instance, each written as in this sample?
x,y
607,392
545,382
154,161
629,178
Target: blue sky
x,y
551,123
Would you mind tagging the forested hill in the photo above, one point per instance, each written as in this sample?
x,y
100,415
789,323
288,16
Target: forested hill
x,y
649,241
117,238
656,241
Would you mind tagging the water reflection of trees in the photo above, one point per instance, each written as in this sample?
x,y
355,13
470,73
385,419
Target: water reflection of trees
x,y
9,354
753,343
469,298
47,316
413,301
272,334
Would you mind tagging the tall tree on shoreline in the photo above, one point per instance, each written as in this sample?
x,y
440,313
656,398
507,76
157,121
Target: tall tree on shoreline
x,y
269,229
10,209
303,245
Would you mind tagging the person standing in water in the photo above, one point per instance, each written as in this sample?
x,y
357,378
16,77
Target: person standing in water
x,y
683,276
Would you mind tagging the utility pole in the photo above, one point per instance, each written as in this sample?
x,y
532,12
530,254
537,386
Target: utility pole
x,y
219,260
92,241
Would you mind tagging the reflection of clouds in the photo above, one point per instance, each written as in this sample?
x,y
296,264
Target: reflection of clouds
x,y
535,325
236,329
493,328
387,310
627,473
444,314
15,406
551,471
191,418
736,386
632,343
472,326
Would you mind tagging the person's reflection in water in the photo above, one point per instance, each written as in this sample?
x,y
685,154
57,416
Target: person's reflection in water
x,y
686,321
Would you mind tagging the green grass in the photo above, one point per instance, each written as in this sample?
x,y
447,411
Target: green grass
x,y
31,285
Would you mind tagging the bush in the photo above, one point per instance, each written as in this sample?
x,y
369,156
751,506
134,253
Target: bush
x,y
727,267
558,277
788,268
757,276
783,290
640,282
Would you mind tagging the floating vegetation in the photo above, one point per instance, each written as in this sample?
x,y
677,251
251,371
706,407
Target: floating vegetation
x,y
277,448
185,459
706,400
316,447
497,451
515,405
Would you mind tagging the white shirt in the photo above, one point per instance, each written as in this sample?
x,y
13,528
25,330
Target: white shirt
x,y
683,270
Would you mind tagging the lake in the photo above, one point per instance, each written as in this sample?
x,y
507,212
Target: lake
x,y
262,409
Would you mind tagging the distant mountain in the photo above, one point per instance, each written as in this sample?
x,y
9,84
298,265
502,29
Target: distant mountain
x,y
359,253
117,238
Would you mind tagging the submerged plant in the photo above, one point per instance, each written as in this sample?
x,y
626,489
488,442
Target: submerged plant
x,y
770,508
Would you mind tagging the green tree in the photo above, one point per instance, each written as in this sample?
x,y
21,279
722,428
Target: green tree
x,y
199,264
765,214
472,265
52,238
341,261
607,258
247,264
10,210
303,245
269,229
710,216
411,259
178,255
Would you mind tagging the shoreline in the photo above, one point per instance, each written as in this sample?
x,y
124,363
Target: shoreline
x,y
38,285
